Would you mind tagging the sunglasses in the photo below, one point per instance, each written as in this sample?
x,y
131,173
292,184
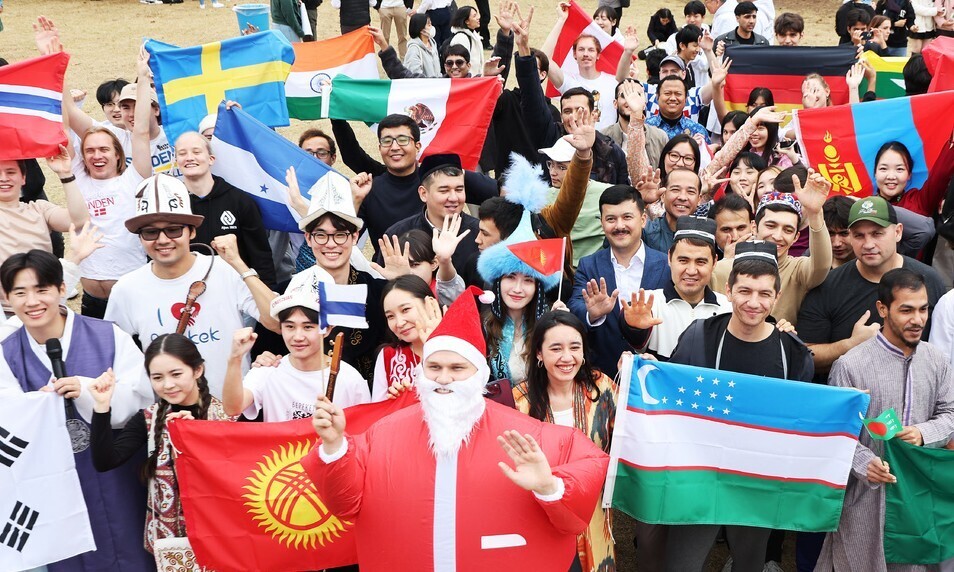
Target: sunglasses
x,y
152,233
455,63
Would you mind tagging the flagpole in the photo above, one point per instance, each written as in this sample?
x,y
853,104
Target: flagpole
x,y
562,266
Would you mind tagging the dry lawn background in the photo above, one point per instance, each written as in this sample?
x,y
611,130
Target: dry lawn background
x,y
103,37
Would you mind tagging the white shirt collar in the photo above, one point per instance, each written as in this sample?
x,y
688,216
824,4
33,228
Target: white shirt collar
x,y
640,254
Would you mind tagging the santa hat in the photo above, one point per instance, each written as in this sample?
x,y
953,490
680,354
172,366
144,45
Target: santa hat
x,y
460,330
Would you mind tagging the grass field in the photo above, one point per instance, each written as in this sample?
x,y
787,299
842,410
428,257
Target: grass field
x,y
103,37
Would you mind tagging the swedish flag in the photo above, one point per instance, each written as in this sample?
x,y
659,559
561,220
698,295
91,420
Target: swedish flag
x,y
191,82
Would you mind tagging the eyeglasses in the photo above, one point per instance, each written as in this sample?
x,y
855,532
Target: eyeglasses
x,y
455,63
676,158
558,165
402,140
152,233
321,238
320,153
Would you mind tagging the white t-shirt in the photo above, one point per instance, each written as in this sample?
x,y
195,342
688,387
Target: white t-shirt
x,y
144,304
163,157
284,392
110,203
604,91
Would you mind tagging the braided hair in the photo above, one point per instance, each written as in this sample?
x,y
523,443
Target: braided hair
x,y
181,348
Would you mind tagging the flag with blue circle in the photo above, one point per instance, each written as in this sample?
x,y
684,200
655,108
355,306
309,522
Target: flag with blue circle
x,y
192,81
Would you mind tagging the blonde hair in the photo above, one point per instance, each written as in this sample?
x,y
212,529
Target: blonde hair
x,y
823,83
206,142
117,146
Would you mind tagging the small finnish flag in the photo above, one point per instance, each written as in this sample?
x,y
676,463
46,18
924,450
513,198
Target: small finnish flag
x,y
342,305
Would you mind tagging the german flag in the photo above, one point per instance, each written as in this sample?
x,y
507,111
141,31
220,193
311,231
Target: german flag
x,y
782,69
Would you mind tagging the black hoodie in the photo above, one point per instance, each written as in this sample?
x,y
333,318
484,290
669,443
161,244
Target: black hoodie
x,y
230,210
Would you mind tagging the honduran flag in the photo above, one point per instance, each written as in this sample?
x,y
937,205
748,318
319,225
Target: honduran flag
x,y
782,69
453,114
254,158
351,55
702,446
577,23
841,142
31,107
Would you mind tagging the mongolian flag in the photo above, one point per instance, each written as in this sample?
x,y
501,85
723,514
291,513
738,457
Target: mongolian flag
x,y
939,58
782,69
577,23
192,82
841,142
544,256
248,503
31,103
890,81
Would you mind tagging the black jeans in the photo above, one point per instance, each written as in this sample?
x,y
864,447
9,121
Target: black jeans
x,y
93,307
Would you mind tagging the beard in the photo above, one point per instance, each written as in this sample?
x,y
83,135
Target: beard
x,y
451,417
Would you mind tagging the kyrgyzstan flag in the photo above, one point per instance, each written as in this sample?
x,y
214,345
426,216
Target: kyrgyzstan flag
x,y
939,58
248,503
453,114
841,142
577,23
782,69
350,54
31,107
544,256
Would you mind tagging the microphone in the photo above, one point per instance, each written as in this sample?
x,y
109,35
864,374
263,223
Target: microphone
x,y
54,351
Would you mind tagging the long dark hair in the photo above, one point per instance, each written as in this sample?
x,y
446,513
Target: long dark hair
x,y
181,348
413,285
537,378
768,152
496,315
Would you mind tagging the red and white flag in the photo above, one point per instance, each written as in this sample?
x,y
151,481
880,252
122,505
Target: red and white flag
x,y
31,107
577,23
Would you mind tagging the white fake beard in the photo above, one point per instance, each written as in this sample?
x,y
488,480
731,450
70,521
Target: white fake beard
x,y
451,417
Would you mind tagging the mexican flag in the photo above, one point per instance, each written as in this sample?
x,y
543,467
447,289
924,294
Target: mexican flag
x,y
468,102
316,63
890,81
766,452
247,501
919,508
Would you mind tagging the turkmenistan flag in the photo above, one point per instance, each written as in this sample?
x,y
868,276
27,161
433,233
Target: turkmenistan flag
x,y
919,508
316,63
467,102
701,446
890,81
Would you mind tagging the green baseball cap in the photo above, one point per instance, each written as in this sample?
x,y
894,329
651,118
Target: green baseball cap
x,y
874,209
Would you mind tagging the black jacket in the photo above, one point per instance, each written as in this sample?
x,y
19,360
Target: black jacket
x,y
230,210
698,345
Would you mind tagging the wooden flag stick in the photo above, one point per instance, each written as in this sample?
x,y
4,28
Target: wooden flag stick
x,y
335,366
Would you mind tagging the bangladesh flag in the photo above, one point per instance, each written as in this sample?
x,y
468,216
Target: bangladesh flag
x,y
247,501
702,446
453,114
919,508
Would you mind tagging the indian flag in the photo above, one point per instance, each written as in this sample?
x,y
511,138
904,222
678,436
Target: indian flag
x,y
703,446
453,114
317,63
890,82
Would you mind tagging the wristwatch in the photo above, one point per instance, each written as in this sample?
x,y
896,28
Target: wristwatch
x,y
248,273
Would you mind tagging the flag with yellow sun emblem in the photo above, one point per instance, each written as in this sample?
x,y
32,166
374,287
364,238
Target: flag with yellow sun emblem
x,y
247,501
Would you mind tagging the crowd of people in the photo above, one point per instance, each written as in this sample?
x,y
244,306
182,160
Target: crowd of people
x,y
693,233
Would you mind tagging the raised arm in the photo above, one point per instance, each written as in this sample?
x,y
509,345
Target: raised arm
x,y
226,246
562,214
637,160
630,45
813,196
75,211
235,398
141,152
555,73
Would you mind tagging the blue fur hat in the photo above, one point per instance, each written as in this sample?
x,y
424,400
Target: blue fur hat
x,y
497,260
525,185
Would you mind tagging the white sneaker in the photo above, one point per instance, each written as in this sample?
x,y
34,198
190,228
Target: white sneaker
x,y
218,5
202,6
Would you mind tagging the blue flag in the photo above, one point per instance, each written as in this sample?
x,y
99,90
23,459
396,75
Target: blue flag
x,y
191,82
254,158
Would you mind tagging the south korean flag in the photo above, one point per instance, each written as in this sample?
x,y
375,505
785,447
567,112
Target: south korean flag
x,y
43,516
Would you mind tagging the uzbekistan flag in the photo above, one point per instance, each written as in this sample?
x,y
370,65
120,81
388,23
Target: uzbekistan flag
x,y
191,82
702,446
31,107
351,55
254,158
469,102
890,81
247,501
782,69
577,23
841,142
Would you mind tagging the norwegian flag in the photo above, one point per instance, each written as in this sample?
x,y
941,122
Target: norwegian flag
x,y
577,23
31,107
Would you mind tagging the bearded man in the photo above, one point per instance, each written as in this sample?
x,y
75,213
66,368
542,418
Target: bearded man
x,y
431,485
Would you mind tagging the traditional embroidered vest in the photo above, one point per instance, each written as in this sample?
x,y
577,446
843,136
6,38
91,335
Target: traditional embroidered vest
x,y
164,511
114,498
399,363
